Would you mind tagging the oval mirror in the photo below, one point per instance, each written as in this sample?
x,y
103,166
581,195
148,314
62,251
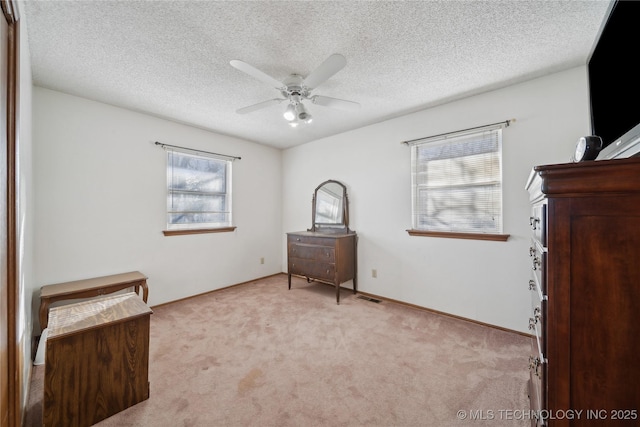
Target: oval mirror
x,y
330,207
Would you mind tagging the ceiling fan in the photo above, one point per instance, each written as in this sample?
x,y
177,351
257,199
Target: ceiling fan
x,y
295,89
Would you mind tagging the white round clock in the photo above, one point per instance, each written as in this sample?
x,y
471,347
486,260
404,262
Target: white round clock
x,y
587,148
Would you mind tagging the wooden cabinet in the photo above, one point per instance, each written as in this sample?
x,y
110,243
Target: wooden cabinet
x,y
586,279
329,258
96,360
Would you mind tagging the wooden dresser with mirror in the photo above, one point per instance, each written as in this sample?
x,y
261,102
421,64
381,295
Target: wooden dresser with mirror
x,y
327,251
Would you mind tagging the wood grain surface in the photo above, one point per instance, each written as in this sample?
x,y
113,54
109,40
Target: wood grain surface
x,y
96,360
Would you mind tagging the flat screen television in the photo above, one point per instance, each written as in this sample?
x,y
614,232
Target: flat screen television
x,y
614,77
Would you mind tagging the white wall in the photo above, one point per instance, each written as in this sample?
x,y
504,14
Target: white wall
x,y
101,197
481,280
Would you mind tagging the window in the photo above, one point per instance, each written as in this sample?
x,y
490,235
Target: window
x,y
198,192
457,183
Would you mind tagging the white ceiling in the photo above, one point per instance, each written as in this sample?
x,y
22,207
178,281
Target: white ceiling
x,y
171,58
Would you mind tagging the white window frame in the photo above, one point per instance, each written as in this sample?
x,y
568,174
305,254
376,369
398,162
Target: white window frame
x,y
195,225
469,208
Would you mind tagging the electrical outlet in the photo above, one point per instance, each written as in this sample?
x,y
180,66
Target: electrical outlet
x,y
374,273
262,260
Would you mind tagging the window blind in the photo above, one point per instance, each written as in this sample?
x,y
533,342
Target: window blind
x,y
457,182
198,190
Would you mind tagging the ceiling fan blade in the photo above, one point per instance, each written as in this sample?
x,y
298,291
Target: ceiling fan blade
x,y
254,72
259,106
340,104
328,68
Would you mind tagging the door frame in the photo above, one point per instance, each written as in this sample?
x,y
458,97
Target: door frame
x,y
14,406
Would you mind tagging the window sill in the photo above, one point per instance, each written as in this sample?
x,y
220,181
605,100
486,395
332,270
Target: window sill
x,y
197,231
456,235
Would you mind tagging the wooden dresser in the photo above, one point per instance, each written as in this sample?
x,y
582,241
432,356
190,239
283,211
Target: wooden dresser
x,y
585,288
96,359
325,257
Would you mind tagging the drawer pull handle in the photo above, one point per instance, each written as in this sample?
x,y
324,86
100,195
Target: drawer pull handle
x,y
534,365
533,222
532,285
537,314
536,263
298,239
327,271
328,254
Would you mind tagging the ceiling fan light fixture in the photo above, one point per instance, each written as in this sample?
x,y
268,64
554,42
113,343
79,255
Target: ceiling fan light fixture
x,y
290,112
305,117
296,114
302,114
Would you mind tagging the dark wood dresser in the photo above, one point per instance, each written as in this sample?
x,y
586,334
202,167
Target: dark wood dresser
x,y
585,288
325,257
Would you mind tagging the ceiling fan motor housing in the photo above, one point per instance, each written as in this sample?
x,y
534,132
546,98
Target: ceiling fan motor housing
x,y
295,91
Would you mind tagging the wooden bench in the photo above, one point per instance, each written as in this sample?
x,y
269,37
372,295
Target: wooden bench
x,y
88,288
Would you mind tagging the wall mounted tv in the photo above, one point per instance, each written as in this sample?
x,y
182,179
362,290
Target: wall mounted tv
x,y
614,79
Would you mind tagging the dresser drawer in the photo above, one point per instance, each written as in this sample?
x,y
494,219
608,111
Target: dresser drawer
x,y
536,325
537,371
538,223
537,317
313,269
315,252
310,240
538,257
535,399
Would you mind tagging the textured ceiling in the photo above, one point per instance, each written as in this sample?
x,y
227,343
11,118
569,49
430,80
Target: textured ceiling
x,y
171,58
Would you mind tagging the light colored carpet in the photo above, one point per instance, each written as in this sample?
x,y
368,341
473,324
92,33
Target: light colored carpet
x,y
260,355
